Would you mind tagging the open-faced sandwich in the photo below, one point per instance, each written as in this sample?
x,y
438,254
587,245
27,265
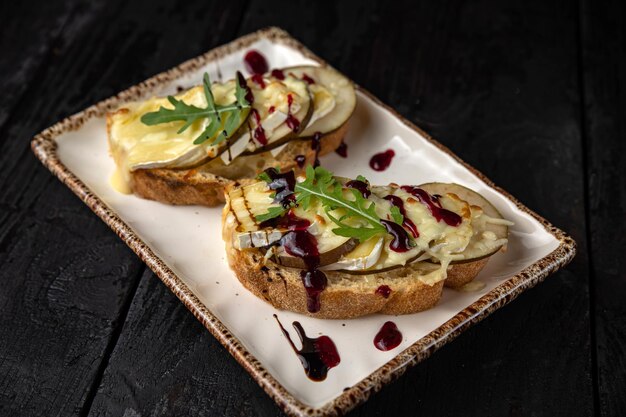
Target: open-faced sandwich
x,y
331,247
184,149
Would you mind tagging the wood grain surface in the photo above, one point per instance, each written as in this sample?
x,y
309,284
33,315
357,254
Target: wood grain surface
x,y
529,92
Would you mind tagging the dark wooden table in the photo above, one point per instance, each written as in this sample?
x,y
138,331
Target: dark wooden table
x,y
532,93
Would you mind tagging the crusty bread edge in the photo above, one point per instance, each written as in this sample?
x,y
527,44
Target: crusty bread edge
x,y
194,187
283,288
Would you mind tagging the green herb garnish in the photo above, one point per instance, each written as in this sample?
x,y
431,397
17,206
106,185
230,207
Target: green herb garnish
x,y
396,215
228,118
271,213
321,184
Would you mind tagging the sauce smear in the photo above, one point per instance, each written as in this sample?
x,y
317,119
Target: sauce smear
x,y
307,78
255,63
342,150
243,84
382,160
388,337
361,186
259,132
400,242
438,212
383,290
292,122
300,160
278,74
258,78
316,145
408,223
317,355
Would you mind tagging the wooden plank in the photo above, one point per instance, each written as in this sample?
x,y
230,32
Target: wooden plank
x,y
67,279
502,92
167,364
604,78
25,52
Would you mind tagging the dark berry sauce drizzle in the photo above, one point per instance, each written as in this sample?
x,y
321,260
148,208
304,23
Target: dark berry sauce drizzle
x,y
243,84
258,79
382,160
307,78
259,132
362,186
439,213
292,122
298,242
255,63
278,74
317,355
408,223
388,337
342,150
283,183
316,145
400,242
300,160
383,290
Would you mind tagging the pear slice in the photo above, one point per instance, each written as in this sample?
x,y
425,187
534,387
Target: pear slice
x,y
334,98
327,255
275,122
364,256
490,228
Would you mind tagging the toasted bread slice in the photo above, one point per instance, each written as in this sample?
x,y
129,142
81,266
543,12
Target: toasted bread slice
x,y
346,296
395,291
204,185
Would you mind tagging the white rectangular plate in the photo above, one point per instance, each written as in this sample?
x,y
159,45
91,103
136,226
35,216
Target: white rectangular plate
x,y
183,245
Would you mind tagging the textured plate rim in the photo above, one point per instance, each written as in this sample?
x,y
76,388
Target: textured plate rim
x,y
45,148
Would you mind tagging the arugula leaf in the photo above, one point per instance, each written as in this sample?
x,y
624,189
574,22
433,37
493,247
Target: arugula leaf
x,y
396,215
321,184
183,112
264,177
271,213
362,179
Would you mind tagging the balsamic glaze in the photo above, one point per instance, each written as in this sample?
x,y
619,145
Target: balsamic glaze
x,y
383,290
342,150
400,242
278,74
303,245
258,78
289,221
316,145
307,78
362,186
317,355
298,242
300,160
382,160
243,84
388,337
283,183
408,223
438,212
255,63
292,122
259,132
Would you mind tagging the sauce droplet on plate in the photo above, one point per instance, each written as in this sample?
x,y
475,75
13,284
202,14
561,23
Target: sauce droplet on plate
x,y
255,63
342,150
382,160
317,355
388,337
